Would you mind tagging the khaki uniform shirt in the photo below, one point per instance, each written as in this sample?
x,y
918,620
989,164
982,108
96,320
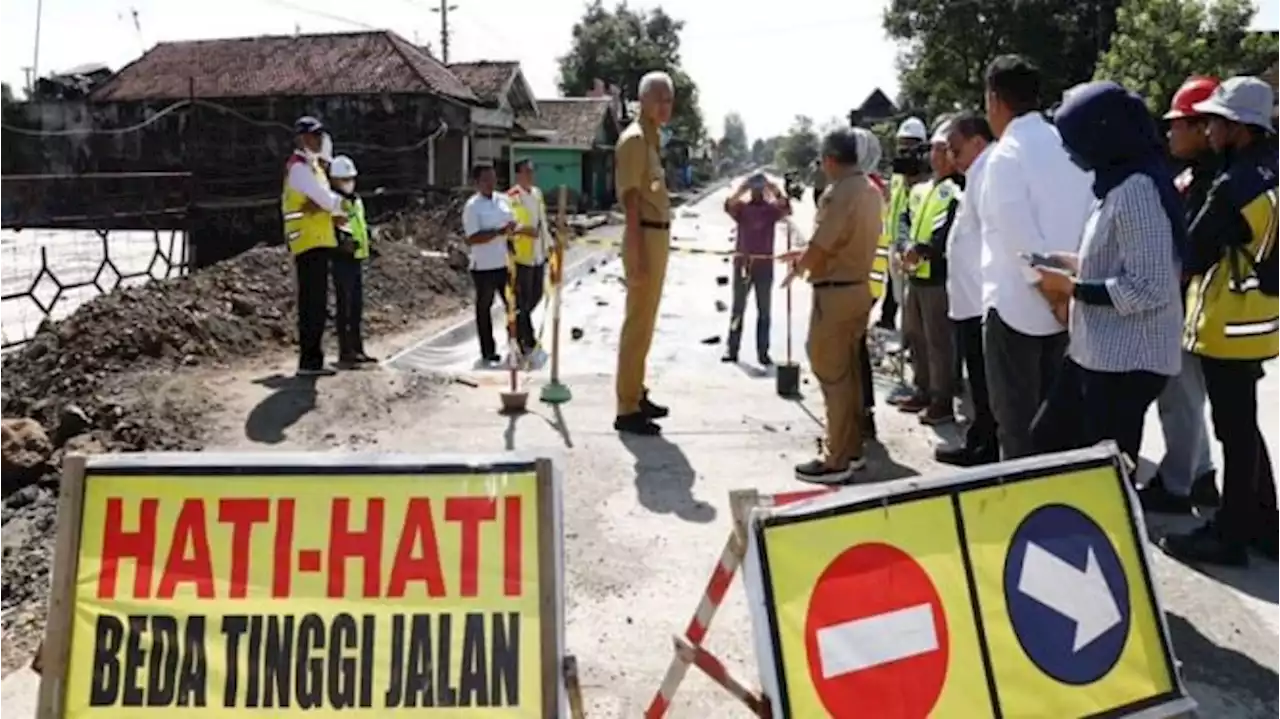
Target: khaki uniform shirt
x,y
847,229
638,166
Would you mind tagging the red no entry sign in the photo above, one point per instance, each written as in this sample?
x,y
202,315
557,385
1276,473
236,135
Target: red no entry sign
x,y
876,636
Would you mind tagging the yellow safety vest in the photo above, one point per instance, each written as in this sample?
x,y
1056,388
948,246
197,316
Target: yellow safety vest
x,y
525,246
932,201
1228,314
893,209
306,226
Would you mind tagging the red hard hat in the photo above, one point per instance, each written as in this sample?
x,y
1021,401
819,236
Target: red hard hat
x,y
1195,89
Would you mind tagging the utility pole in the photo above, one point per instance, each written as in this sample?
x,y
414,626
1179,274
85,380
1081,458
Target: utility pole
x,y
35,60
443,10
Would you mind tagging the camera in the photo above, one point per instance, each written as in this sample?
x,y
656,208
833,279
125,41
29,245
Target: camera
x,y
912,161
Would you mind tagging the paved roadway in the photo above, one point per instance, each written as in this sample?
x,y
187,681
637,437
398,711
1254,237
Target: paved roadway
x,y
646,517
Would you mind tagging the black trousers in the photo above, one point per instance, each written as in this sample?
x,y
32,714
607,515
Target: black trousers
x,y
529,285
348,289
888,306
868,383
1020,374
1085,407
489,283
1248,479
981,433
312,275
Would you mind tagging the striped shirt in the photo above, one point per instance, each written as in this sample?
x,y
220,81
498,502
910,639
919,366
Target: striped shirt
x,y
1128,246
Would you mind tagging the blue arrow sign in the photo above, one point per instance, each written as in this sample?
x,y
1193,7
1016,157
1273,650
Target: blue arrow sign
x,y
1067,595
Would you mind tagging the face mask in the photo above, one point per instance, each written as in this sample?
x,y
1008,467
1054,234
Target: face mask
x,y
346,186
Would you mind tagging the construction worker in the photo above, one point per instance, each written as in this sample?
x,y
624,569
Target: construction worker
x,y
925,322
1231,321
642,185
838,263
348,265
530,245
910,166
309,206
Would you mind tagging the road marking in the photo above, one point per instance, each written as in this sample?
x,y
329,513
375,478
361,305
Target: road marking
x,y
1082,597
869,642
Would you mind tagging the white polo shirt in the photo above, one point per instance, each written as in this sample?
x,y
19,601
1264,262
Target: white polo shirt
x,y
1034,199
964,247
487,213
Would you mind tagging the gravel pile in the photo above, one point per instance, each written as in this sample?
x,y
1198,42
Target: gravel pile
x,y
88,383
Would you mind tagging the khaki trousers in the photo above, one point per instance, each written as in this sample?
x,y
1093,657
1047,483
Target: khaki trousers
x,y
643,297
837,325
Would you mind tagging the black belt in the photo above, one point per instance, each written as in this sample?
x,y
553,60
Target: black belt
x,y
834,283
654,225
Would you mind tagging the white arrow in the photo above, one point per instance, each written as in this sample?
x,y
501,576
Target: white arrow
x,y
1082,597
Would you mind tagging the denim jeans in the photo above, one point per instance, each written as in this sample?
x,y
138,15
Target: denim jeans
x,y
1186,439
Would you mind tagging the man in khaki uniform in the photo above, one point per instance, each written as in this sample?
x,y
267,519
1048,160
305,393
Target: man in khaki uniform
x,y
838,262
641,183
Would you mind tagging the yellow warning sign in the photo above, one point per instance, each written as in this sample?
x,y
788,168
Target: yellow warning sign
x,y
1067,606
890,582
1018,589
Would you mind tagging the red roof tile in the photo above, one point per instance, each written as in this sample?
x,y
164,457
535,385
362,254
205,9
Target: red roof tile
x,y
293,65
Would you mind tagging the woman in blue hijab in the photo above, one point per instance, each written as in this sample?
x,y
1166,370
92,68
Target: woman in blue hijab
x,y
1125,318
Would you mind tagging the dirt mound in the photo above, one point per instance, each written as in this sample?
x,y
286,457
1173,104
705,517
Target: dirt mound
x,y
436,226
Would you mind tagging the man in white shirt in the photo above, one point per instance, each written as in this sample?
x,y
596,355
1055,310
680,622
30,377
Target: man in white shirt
x,y
969,142
487,222
1033,200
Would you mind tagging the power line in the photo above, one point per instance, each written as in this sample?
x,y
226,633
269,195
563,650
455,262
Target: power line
x,y
321,14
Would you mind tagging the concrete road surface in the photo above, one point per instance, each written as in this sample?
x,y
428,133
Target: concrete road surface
x,y
646,518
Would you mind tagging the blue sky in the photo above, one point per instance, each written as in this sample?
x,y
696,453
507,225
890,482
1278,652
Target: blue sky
x,y
757,59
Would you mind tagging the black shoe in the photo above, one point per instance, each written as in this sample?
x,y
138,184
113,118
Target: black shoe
x,y
1204,491
956,456
651,410
1156,498
1205,545
729,357
764,359
312,371
636,423
817,472
1265,545
362,358
492,358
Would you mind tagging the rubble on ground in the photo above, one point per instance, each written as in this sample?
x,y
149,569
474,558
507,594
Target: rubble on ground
x,y
96,381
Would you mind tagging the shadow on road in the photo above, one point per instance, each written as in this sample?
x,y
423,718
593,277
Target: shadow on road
x,y
1237,675
290,400
664,479
555,422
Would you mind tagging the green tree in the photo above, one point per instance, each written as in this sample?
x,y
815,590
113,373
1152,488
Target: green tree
x,y
1160,43
733,144
946,45
799,147
619,46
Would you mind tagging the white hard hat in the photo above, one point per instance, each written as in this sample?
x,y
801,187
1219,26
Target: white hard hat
x,y
913,127
342,168
940,134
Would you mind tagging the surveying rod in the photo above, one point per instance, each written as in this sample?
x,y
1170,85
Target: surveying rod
x,y
554,392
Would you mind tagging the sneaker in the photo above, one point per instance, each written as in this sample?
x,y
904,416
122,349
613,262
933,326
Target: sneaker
x,y
935,415
1156,498
636,423
492,358
1204,491
1205,545
956,456
729,357
651,410
914,404
315,372
899,395
817,472
764,359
